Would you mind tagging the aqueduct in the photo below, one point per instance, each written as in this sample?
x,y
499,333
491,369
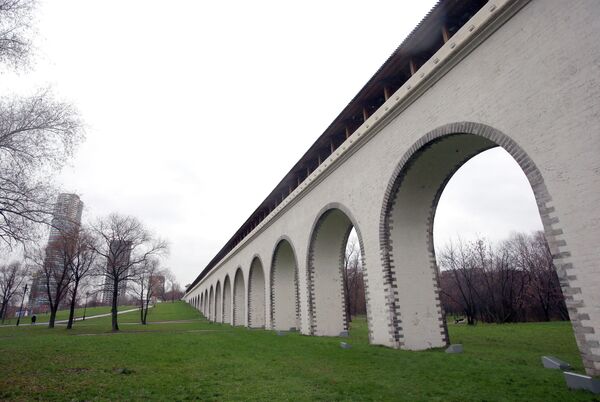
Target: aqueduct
x,y
473,75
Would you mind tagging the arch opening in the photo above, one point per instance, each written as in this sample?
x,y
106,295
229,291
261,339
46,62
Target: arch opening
x,y
205,309
256,295
211,304
410,267
218,303
227,301
285,308
500,251
329,313
239,299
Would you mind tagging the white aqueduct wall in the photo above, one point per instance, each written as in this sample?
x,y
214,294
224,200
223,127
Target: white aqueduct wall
x,y
521,75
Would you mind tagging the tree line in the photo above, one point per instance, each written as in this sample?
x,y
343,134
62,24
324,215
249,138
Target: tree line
x,y
114,255
512,281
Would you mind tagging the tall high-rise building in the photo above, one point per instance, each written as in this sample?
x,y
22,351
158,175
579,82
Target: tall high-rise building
x,y
120,252
66,215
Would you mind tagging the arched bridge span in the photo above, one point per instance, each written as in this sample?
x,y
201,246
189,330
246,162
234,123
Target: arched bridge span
x,y
516,74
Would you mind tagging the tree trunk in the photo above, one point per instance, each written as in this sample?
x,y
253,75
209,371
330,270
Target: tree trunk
x,y
348,299
53,309
72,308
2,311
115,297
146,314
142,310
545,307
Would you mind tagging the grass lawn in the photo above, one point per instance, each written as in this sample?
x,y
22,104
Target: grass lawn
x,y
200,360
64,314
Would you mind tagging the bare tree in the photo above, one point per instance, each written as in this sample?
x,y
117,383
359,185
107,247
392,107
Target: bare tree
x,y
457,260
353,278
12,277
15,31
37,135
169,277
175,292
532,254
80,256
146,285
54,264
512,281
125,245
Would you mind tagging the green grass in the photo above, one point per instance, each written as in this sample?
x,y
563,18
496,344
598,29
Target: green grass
x,y
64,314
199,360
165,311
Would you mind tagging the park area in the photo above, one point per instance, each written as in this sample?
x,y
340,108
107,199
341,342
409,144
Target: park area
x,y
181,356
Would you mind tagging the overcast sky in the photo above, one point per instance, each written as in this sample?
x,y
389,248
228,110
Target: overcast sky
x,y
186,128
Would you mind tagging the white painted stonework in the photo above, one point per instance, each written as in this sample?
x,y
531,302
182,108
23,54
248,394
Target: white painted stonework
x,y
521,75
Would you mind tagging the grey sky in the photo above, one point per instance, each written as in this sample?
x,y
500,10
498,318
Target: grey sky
x,y
195,110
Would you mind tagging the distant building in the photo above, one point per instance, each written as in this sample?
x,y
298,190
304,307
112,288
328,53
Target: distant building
x,y
157,284
38,296
120,251
67,215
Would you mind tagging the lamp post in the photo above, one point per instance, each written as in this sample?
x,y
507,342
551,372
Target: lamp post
x,y
21,308
85,306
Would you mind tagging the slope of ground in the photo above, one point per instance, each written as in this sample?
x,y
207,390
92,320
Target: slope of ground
x,y
195,359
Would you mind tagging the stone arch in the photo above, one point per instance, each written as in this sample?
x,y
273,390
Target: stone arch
x,y
211,304
285,310
410,270
227,316
256,294
329,235
239,298
218,303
